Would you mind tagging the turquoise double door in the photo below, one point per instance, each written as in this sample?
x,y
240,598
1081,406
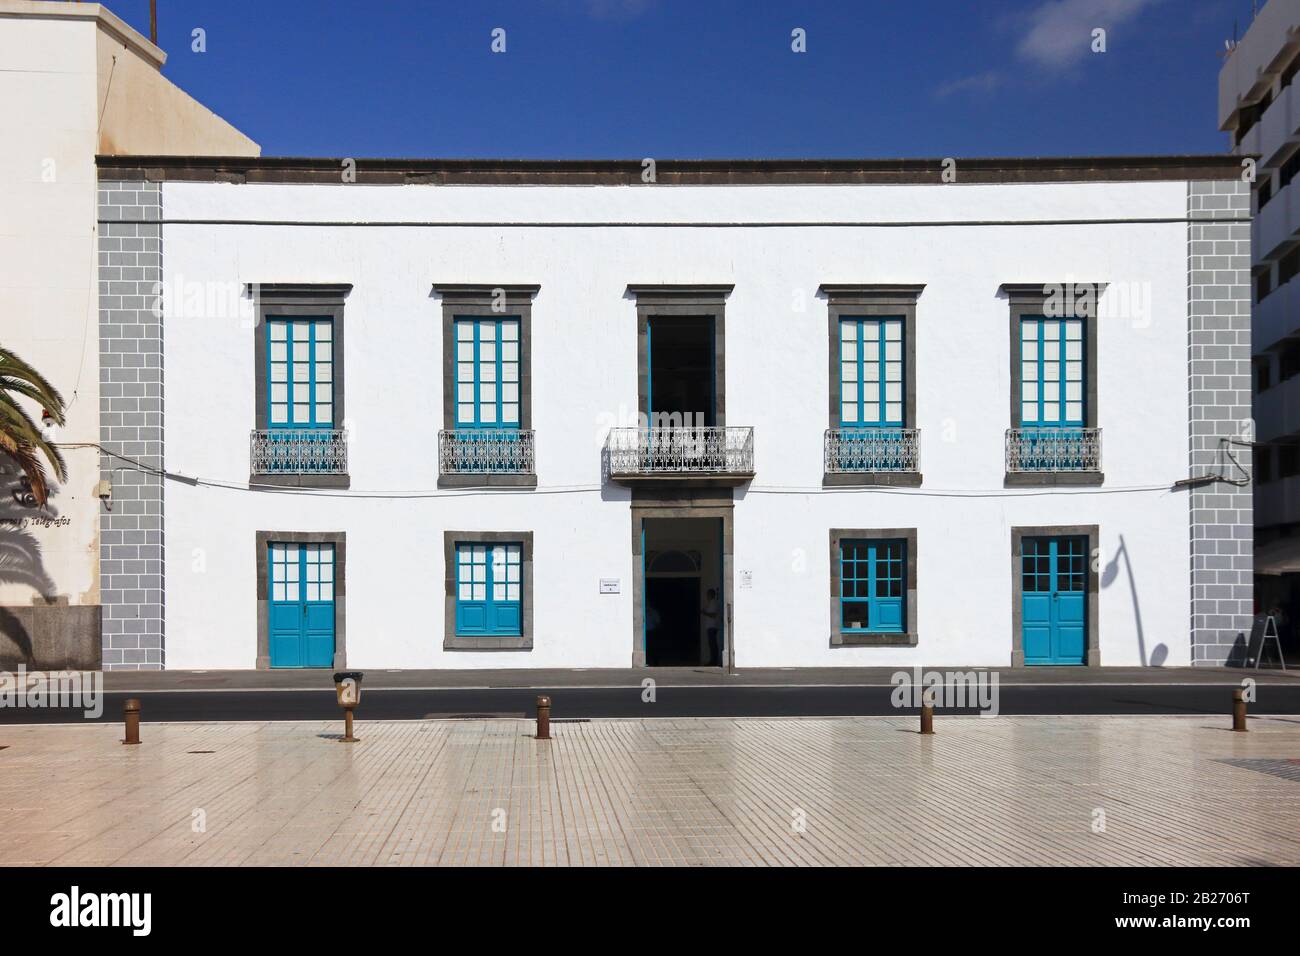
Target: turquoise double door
x,y
301,618
1054,599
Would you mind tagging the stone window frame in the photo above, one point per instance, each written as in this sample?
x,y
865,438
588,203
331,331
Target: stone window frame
x,y
872,300
340,541
286,299
841,638
477,299
1091,532
1026,299
524,640
682,301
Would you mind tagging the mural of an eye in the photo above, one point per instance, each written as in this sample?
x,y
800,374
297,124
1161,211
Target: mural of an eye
x,y
23,494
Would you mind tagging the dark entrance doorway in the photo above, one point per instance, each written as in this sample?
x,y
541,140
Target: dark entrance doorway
x,y
680,387
682,589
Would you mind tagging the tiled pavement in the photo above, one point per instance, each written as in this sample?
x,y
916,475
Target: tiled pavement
x,y
1009,790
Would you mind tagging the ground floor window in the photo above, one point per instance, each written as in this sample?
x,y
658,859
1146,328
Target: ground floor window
x,y
489,578
873,586
489,583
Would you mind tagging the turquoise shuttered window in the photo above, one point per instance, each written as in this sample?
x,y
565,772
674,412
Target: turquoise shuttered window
x,y
871,372
300,372
489,589
1052,373
487,372
872,586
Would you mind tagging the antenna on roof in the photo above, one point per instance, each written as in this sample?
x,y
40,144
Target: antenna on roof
x,y
153,22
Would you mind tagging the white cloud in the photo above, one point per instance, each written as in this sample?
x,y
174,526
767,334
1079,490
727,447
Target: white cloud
x,y
1059,32
984,82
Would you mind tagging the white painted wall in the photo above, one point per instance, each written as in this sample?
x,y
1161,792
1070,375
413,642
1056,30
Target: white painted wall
x,y
48,305
584,375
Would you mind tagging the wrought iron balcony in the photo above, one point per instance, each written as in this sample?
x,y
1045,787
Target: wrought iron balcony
x,y
1039,450
292,451
486,451
724,455
857,450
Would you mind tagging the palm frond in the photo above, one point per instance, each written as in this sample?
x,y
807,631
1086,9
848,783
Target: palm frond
x,y
20,436
41,389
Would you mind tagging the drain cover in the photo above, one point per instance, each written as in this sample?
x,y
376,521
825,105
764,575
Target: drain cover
x,y
1287,769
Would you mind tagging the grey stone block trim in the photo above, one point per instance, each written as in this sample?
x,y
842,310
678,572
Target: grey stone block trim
x,y
879,479
1090,531
840,638
1221,514
133,624
340,541
453,642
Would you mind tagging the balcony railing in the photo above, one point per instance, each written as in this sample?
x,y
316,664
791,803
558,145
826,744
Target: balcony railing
x,y
850,450
486,451
1036,450
668,452
291,451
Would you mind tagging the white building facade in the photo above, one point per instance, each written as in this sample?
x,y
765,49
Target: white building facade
x,y
460,414
1259,106
77,81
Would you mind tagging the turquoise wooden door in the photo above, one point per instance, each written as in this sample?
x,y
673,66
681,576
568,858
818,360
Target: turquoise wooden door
x,y
1054,599
301,620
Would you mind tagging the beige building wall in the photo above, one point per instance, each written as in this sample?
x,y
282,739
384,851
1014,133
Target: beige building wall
x,y
76,81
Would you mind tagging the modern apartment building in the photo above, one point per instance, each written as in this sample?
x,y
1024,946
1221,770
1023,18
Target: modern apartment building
x,y
476,414
1259,106
76,82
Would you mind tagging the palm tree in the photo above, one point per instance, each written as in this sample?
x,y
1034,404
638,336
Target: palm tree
x,y
20,436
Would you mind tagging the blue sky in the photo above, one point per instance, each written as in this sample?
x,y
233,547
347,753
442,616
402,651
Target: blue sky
x,y
704,78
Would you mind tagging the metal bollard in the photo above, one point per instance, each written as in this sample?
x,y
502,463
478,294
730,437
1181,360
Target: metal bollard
x,y
347,688
131,717
1239,710
543,718
927,712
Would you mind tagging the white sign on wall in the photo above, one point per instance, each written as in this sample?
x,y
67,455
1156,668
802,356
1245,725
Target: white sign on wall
x,y
609,585
746,579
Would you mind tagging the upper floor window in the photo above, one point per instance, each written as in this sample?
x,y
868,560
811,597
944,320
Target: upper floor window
x,y
300,353
298,438
1263,283
1051,372
487,430
1289,170
1264,191
871,371
1053,438
871,436
487,372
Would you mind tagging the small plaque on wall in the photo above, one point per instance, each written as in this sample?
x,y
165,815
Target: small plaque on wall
x,y
609,585
746,579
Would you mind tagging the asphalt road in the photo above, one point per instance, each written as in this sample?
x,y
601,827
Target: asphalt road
x,y
692,701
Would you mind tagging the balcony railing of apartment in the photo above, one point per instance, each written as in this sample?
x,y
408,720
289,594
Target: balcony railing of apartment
x,y
865,450
722,455
486,451
1037,451
293,451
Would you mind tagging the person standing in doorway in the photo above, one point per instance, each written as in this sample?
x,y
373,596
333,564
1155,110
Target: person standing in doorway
x,y
712,626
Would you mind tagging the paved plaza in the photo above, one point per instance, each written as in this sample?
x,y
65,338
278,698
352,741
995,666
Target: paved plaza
x,y
1009,790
